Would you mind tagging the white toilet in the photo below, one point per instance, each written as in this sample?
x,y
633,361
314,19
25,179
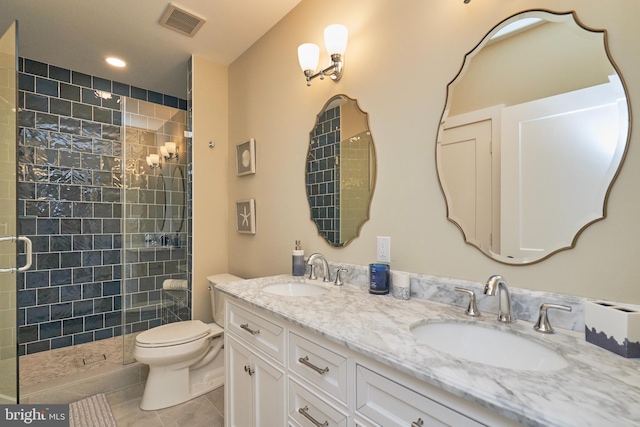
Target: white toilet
x,y
185,358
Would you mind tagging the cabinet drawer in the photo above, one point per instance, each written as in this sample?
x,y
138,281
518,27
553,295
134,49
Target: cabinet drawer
x,y
390,404
309,410
320,366
256,330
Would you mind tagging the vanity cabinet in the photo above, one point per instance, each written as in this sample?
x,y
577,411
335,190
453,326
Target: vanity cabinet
x,y
391,404
280,374
309,409
319,366
255,383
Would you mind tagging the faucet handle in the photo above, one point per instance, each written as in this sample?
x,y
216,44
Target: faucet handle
x,y
338,281
472,309
542,325
312,272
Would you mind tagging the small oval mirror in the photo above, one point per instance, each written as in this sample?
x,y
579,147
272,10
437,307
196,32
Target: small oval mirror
x,y
161,203
177,200
340,170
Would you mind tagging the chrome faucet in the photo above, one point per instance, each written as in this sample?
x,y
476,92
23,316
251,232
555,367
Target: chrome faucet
x,y
325,266
497,283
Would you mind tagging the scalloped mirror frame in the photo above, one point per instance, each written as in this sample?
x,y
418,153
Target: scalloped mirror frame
x,y
360,133
562,246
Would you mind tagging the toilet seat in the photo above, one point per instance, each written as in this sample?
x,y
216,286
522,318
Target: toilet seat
x,y
174,334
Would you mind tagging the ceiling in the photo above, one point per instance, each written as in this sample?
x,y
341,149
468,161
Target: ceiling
x,y
79,34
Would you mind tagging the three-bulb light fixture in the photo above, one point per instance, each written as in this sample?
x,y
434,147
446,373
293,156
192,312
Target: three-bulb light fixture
x,y
335,40
169,151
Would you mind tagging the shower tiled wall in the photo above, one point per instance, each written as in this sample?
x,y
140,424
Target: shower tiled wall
x,y
155,231
323,175
70,191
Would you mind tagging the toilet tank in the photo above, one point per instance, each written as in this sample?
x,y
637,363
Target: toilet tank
x,y
217,297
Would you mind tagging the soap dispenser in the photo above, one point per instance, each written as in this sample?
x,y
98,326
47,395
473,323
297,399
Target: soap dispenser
x,y
297,260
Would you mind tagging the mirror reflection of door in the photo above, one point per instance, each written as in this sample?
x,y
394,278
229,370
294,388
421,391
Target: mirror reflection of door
x,y
573,167
558,124
465,155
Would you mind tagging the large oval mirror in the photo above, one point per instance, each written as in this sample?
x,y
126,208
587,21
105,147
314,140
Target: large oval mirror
x,y
533,134
340,170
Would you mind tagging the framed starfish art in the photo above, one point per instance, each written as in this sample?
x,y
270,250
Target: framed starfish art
x,y
246,216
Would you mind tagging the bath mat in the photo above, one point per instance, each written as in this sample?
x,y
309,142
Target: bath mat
x,y
93,411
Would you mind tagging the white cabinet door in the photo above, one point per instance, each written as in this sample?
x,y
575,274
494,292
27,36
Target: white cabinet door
x,y
255,388
238,386
269,388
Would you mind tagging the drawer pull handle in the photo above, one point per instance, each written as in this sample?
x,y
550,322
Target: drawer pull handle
x,y
305,361
305,414
418,423
246,327
249,370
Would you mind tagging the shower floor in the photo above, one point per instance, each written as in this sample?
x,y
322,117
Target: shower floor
x,y
74,361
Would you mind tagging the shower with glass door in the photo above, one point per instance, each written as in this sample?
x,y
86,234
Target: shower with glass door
x,y
97,180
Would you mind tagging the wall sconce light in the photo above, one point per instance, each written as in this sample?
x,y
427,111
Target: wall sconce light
x,y
169,151
153,160
335,40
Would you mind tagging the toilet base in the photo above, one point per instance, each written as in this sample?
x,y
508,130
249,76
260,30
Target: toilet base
x,y
167,387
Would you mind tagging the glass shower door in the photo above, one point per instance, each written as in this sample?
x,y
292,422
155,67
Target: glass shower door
x,y
8,212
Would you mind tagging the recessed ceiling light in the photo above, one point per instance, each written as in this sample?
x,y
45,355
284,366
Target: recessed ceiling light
x,y
116,62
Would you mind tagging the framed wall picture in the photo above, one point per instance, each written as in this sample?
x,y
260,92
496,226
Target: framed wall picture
x,y
246,216
246,157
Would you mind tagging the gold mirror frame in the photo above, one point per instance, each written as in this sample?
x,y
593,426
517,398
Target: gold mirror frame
x,y
340,170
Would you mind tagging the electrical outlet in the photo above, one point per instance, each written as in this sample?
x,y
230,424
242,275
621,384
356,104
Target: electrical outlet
x,y
383,249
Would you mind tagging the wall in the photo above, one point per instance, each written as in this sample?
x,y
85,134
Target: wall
x,y
70,181
210,218
527,56
400,57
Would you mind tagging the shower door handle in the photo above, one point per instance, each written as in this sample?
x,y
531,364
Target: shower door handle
x,y
28,249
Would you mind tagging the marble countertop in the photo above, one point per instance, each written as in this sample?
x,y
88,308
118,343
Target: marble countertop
x,y
598,388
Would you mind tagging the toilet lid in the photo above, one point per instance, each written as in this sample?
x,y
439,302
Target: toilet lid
x,y
173,333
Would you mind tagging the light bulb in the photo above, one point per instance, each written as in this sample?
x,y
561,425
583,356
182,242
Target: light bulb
x,y
170,147
335,39
308,56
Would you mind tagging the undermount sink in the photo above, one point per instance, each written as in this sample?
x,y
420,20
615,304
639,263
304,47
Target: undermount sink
x,y
295,289
481,344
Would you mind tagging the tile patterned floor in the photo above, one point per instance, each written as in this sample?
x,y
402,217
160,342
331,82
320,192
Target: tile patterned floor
x,y
40,369
203,411
48,365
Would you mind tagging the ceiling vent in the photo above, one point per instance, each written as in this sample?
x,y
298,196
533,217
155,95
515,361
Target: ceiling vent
x,y
181,21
